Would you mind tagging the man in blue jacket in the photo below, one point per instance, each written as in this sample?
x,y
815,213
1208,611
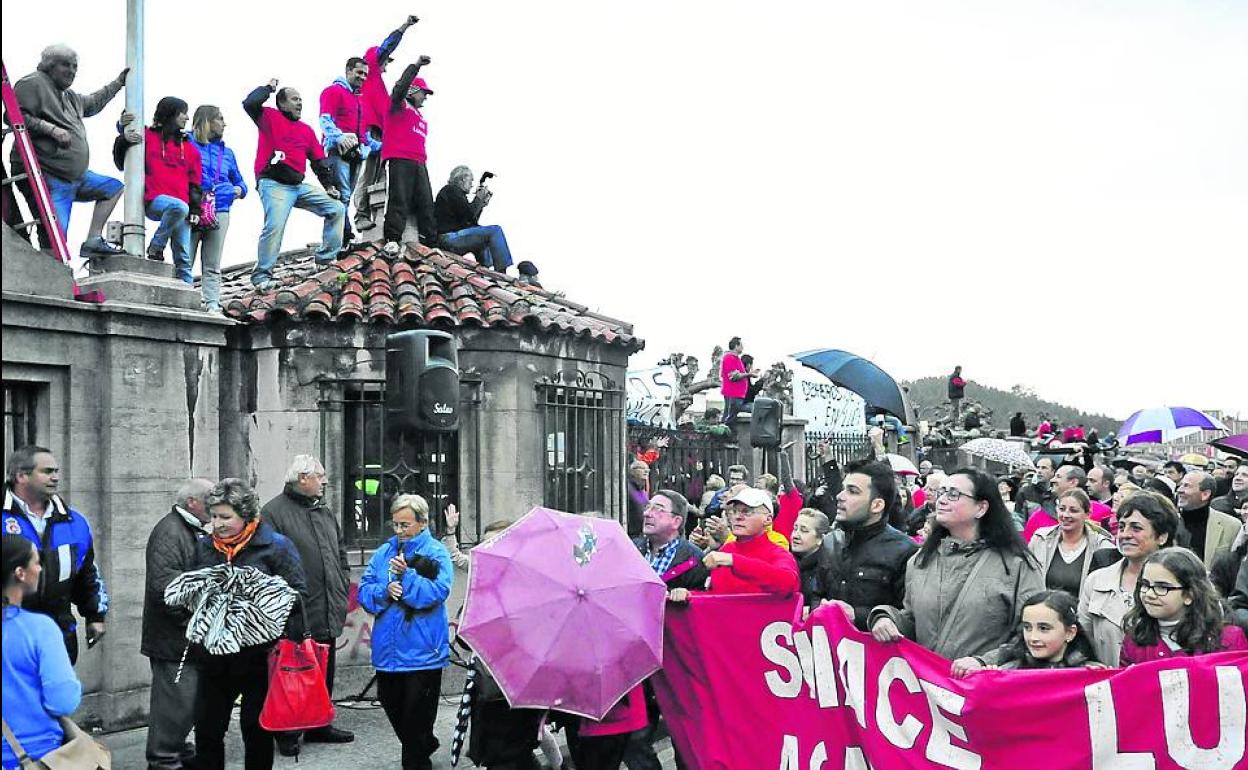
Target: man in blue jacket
x,y
33,510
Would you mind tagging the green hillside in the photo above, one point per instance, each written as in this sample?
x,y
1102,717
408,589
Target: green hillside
x,y
928,394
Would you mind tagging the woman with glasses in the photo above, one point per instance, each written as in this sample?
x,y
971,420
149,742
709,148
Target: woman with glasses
x,y
1065,551
1177,612
1146,524
966,586
405,587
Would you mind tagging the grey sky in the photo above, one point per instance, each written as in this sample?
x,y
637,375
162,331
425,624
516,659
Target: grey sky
x,y
1048,193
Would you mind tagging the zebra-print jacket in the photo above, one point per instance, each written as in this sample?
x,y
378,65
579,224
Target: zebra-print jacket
x,y
272,554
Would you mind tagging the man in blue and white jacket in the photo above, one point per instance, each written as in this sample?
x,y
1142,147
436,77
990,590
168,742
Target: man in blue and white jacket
x,y
33,510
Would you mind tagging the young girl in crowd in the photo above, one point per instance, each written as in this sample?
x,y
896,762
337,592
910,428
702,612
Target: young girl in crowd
x,y
1177,612
1051,637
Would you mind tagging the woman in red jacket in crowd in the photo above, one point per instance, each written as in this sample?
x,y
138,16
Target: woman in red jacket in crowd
x,y
1177,612
172,176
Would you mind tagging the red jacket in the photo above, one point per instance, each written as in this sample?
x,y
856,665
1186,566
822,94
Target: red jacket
x,y
1233,640
759,566
171,167
345,108
790,503
627,716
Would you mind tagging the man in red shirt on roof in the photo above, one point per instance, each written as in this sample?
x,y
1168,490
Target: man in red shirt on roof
x,y
403,150
283,151
375,99
734,379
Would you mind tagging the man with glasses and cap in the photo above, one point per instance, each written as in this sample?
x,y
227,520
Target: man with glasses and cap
x,y
751,563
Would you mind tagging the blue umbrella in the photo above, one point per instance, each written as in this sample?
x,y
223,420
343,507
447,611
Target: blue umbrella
x,y
856,373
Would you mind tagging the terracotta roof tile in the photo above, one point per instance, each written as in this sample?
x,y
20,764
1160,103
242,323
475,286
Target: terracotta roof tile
x,y
423,287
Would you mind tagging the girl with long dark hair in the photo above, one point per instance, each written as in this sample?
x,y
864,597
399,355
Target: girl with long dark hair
x,y
1050,635
171,183
39,680
1177,612
966,586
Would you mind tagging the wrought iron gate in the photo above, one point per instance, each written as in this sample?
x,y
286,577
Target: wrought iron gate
x,y
583,441
682,460
378,463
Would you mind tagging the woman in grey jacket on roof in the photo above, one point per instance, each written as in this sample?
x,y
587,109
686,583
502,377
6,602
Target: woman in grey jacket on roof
x,y
966,586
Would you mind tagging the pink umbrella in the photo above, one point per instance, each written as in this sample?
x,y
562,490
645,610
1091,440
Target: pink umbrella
x,y
565,612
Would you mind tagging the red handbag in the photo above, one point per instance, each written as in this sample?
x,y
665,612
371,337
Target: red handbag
x,y
298,698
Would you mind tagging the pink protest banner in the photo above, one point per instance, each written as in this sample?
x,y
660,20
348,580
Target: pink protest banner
x,y
745,688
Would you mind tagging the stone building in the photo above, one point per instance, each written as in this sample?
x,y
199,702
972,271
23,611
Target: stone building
x,y
138,393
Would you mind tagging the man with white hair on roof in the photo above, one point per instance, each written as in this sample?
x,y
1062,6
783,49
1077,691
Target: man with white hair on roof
x,y
459,228
301,514
54,114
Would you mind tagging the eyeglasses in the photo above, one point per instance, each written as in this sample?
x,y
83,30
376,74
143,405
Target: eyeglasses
x,y
1158,589
954,494
652,506
402,525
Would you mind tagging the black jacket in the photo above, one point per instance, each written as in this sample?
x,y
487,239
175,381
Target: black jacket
x,y
817,574
1018,427
869,567
171,549
315,532
686,570
270,553
453,210
1228,503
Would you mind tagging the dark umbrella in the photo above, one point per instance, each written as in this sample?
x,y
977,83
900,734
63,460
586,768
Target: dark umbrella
x,y
1236,445
856,373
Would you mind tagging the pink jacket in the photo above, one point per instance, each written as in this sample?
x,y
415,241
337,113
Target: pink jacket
x,y
1233,640
629,715
730,388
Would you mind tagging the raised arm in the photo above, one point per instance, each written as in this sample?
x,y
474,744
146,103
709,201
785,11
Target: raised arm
x,y
254,103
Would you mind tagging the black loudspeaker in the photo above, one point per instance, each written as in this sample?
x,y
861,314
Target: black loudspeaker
x,y
422,381
765,423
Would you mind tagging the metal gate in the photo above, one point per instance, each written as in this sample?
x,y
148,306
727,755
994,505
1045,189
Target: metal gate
x,y
844,447
583,441
682,460
378,463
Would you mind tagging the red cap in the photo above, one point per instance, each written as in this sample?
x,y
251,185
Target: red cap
x,y
419,83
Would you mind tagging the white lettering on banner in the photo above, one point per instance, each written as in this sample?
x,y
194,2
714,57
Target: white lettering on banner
x,y
1103,726
855,759
939,747
783,657
853,670
901,735
790,759
650,395
1175,700
1231,718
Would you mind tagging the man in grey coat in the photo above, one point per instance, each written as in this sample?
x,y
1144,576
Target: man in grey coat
x,y
300,513
170,552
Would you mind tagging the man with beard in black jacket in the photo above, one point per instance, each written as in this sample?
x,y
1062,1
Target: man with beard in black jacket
x,y
868,567
300,513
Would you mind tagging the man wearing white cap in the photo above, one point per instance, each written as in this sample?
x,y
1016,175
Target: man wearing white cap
x,y
751,563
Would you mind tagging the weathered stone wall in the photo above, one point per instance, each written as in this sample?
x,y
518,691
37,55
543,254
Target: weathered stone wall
x,y
130,410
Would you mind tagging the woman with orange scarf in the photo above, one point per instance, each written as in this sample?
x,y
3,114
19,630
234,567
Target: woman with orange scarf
x,y
240,538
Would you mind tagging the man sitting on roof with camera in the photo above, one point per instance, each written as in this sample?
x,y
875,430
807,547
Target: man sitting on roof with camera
x,y
458,228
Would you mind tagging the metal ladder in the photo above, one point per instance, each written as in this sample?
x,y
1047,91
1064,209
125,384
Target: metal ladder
x,y
15,124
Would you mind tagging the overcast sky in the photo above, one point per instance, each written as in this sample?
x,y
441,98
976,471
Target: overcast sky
x,y
1048,193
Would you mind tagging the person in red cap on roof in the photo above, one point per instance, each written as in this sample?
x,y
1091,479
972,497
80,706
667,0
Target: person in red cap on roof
x,y
404,153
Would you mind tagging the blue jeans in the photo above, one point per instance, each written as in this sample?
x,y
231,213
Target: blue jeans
x,y
486,241
89,187
174,230
278,199
346,174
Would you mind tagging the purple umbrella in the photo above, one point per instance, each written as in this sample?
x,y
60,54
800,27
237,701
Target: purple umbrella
x,y
1236,445
1165,423
564,612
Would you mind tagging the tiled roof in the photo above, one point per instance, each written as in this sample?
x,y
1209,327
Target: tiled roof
x,y
422,287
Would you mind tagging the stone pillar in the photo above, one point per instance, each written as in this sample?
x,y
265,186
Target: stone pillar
x,y
137,281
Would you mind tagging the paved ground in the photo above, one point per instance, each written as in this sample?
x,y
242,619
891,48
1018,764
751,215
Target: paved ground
x,y
375,744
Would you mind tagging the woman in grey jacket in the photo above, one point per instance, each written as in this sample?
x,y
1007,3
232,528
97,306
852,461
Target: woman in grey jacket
x,y
966,586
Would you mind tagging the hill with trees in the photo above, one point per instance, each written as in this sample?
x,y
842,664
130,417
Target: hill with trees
x,y
928,396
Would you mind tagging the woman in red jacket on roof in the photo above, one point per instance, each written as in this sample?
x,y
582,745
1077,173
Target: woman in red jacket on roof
x,y
171,181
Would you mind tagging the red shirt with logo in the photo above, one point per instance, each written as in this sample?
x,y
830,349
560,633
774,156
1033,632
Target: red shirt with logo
x,y
405,133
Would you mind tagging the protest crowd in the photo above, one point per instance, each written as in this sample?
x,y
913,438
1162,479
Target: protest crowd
x,y
1074,564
